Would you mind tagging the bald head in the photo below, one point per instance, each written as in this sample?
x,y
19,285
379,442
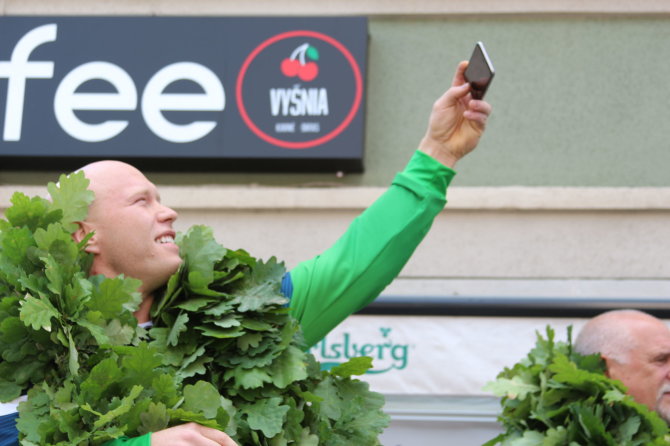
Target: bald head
x,y
105,177
613,334
132,230
106,165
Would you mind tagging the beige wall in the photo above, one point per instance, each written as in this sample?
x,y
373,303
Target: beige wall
x,y
517,238
484,234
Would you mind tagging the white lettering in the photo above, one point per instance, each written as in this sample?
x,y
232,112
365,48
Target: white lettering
x,y
299,101
297,104
279,98
17,70
310,127
285,127
155,101
67,100
322,107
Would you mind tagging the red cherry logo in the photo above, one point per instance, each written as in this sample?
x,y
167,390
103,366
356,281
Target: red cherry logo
x,y
290,67
308,72
297,64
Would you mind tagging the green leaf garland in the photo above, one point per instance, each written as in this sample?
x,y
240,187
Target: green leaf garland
x,y
223,352
556,397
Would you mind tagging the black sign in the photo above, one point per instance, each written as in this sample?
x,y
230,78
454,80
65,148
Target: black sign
x,y
183,93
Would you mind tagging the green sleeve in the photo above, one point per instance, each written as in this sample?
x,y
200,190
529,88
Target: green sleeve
x,y
144,440
373,250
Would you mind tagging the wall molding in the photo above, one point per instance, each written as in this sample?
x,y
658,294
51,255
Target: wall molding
x,y
519,198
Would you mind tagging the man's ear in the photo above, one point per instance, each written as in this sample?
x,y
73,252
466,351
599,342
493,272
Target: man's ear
x,y
612,368
607,365
83,231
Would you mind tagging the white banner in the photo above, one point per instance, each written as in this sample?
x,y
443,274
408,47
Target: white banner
x,y
435,355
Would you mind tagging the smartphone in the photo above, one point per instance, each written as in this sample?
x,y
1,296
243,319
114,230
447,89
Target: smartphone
x,y
479,72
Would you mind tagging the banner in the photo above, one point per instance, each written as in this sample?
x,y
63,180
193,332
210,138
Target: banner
x,y
435,355
171,92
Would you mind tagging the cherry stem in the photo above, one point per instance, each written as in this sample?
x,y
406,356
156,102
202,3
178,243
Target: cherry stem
x,y
300,52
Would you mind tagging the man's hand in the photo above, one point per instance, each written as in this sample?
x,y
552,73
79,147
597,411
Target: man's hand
x,y
456,122
191,434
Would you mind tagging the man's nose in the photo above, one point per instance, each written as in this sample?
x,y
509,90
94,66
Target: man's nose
x,y
167,214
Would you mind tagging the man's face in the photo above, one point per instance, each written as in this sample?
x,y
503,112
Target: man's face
x,y
647,371
133,230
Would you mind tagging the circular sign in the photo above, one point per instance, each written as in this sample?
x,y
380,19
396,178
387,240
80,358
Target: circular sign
x,y
305,89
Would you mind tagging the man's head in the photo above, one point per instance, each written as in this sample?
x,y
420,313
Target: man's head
x,y
133,232
636,349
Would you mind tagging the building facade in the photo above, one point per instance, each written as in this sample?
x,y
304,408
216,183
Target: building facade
x,y
566,197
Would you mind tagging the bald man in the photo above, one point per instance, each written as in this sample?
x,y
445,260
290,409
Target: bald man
x,y
132,234
132,230
636,350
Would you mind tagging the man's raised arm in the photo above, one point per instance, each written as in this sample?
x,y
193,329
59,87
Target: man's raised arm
x,y
354,271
